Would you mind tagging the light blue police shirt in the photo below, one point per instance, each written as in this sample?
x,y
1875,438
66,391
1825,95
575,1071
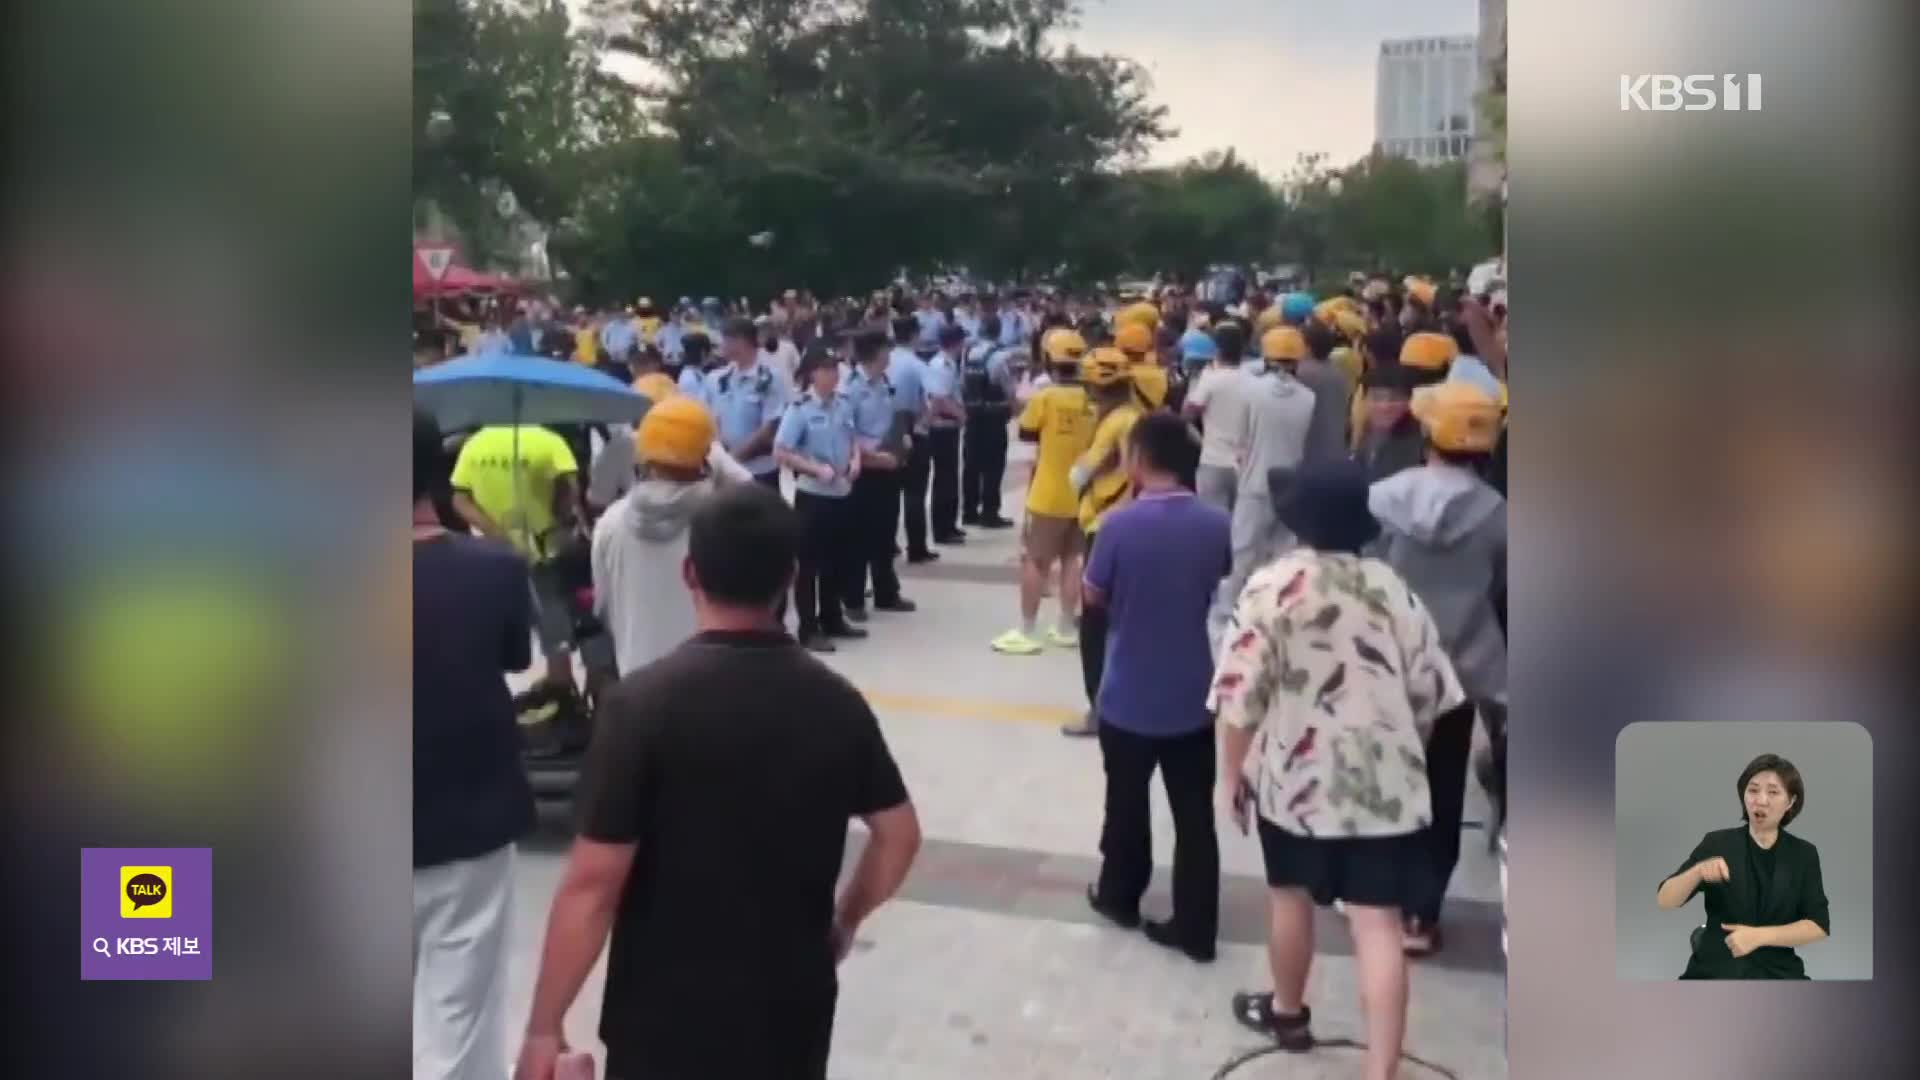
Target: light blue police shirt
x,y
743,400
907,374
872,402
618,337
823,431
693,383
942,379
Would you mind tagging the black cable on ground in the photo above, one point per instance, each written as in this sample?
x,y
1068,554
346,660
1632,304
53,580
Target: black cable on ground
x,y
1234,1063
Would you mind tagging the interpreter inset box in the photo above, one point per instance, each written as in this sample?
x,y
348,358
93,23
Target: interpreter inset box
x,y
1743,851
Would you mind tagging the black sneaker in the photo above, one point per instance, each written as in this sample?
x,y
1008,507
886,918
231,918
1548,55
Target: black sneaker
x,y
969,519
817,642
1167,934
919,557
851,633
898,603
995,522
952,538
856,614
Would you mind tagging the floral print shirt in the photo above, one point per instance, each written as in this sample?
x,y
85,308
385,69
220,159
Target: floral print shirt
x,y
1335,664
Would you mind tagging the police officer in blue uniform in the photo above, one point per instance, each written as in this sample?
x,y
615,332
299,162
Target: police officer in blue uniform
x,y
747,399
944,416
907,371
881,433
816,440
692,374
987,393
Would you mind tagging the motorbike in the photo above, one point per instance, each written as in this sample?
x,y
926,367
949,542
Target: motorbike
x,y
556,725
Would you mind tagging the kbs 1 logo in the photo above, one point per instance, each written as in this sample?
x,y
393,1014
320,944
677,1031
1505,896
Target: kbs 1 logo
x,y
1689,93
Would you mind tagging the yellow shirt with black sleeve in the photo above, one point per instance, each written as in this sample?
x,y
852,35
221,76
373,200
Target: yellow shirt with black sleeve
x,y
1109,487
487,471
1062,417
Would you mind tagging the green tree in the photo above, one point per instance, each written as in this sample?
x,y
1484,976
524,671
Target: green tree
x,y
508,97
872,135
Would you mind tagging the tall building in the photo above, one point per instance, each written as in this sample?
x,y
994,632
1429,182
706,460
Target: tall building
x,y
1423,104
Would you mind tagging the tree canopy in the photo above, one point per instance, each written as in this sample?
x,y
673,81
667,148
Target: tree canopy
x,y
858,139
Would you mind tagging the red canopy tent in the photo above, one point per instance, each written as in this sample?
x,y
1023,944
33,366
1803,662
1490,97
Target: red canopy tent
x,y
452,279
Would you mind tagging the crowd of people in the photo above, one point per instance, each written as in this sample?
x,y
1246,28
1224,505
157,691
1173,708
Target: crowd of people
x,y
1281,520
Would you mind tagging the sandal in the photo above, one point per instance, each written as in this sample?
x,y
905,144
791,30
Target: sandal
x,y
1255,1012
1420,942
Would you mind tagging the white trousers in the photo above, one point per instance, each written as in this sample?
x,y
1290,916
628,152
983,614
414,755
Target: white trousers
x,y
460,917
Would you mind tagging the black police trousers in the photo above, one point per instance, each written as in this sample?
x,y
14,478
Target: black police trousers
x,y
876,510
983,463
827,560
913,492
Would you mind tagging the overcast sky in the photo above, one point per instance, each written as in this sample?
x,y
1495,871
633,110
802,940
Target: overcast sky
x,y
1270,79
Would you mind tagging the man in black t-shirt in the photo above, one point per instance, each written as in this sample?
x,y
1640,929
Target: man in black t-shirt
x,y
472,623
713,817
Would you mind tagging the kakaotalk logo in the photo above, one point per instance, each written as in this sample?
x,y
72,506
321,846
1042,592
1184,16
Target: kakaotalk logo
x,y
1689,93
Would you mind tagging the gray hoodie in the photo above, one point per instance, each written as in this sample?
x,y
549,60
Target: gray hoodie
x,y
1445,531
639,545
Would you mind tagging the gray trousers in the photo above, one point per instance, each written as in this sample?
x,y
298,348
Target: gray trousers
x,y
1217,484
1257,539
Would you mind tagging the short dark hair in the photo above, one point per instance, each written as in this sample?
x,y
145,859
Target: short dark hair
x,y
952,335
1163,443
694,348
1232,341
1320,339
905,329
428,454
1463,338
743,540
869,344
741,330
1789,776
990,326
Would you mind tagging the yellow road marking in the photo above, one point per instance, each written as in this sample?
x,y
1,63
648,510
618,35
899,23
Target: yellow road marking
x,y
974,708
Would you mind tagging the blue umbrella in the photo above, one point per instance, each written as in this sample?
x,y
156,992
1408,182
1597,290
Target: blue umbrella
x,y
473,391
495,388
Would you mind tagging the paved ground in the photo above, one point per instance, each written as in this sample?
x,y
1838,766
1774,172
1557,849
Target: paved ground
x,y
990,964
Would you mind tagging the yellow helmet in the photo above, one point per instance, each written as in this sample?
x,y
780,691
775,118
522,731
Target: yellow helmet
x,y
1421,291
1104,367
1283,343
1458,416
1063,346
1428,351
1133,338
677,431
1140,314
655,386
1351,324
1268,319
1150,382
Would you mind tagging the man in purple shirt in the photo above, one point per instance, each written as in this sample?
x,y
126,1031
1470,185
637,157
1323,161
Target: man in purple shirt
x,y
1156,569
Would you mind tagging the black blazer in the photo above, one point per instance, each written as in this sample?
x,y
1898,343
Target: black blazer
x,y
1795,893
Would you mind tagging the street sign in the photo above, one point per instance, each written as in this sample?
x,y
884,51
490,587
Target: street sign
x,y
436,258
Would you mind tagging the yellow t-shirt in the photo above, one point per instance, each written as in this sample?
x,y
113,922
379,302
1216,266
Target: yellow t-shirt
x,y
485,470
586,346
1063,417
650,329
1109,488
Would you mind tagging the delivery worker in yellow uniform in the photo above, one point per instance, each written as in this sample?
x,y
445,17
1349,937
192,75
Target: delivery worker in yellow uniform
x,y
1060,419
1100,476
1149,379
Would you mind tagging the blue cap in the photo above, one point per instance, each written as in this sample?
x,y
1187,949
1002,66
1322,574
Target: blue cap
x,y
1296,307
1196,346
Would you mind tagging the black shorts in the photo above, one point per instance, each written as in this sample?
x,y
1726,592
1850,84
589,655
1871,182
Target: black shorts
x,y
1377,871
